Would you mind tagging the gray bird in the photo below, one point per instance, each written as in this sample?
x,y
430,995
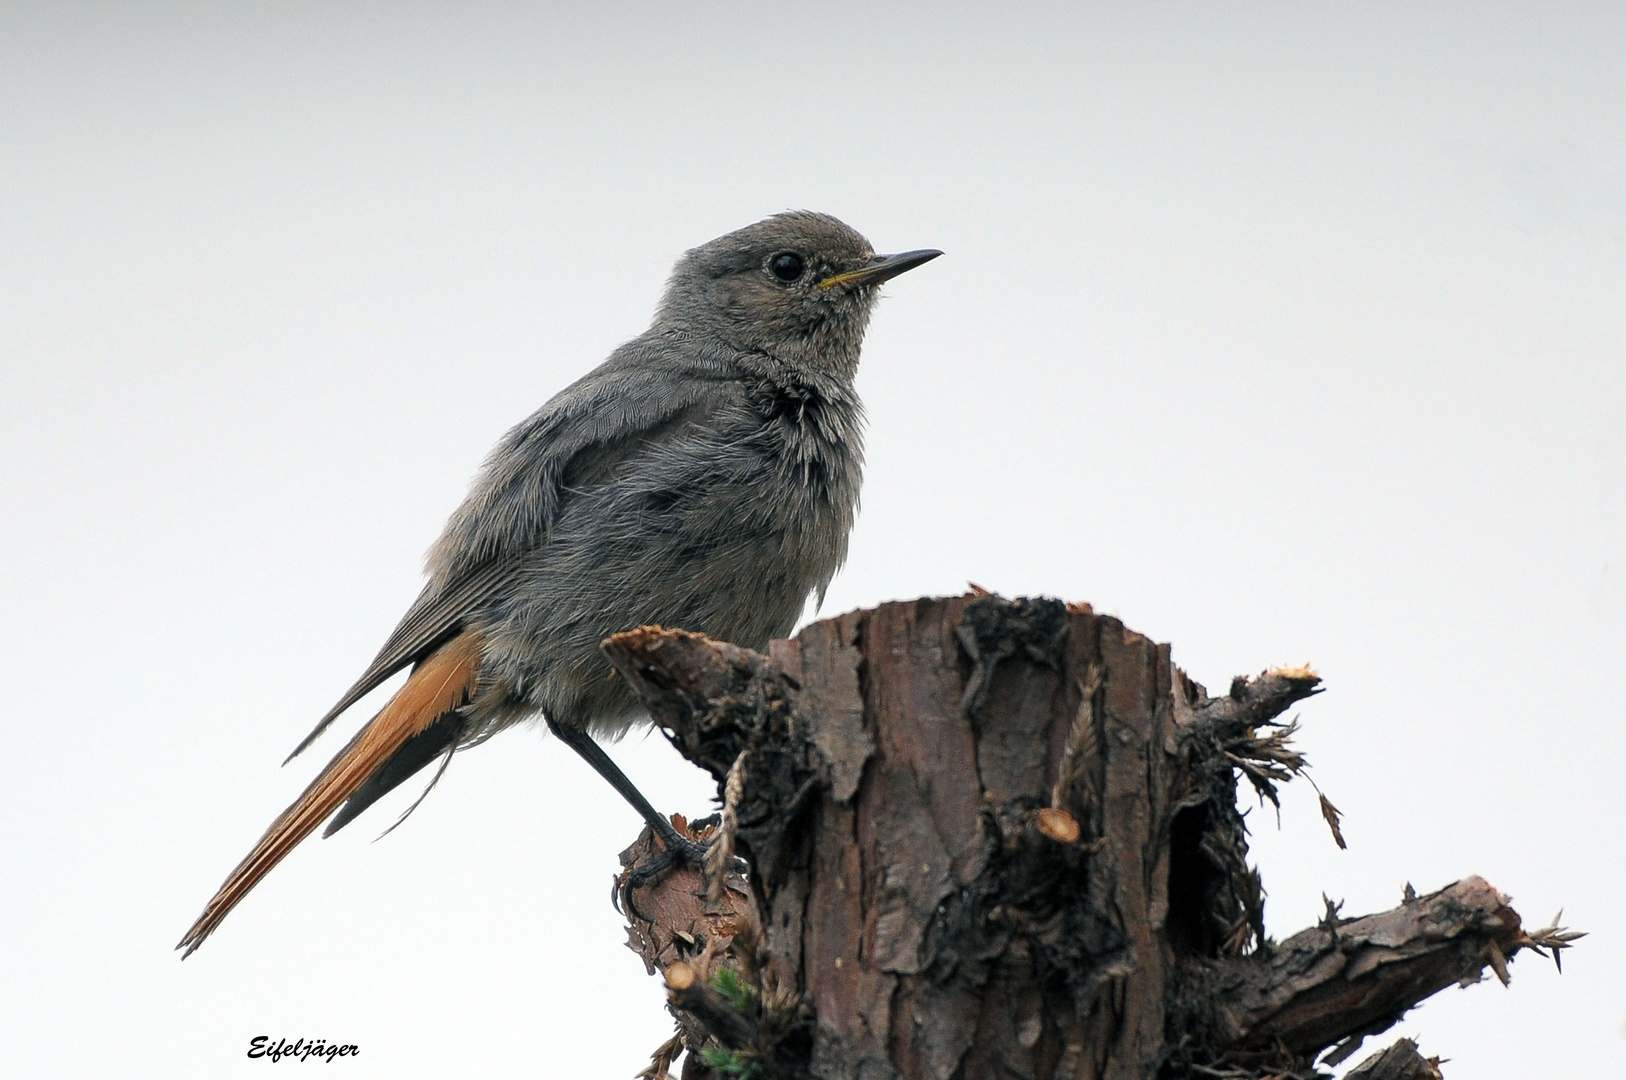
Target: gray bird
x,y
705,476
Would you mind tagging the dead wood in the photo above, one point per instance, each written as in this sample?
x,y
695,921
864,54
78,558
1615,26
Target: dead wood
x,y
1001,838
1400,1061
1347,978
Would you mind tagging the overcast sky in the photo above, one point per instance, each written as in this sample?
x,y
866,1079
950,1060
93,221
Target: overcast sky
x,y
1283,332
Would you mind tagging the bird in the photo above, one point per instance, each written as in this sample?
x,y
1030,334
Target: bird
x,y
705,477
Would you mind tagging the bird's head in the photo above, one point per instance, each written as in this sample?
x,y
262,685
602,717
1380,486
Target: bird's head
x,y
798,286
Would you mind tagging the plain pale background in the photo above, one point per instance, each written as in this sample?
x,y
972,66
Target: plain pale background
x,y
1284,332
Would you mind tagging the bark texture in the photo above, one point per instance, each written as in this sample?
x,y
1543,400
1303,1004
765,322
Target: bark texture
x,y
992,838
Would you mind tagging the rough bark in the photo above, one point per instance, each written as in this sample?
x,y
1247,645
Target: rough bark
x,y
1400,1061
990,838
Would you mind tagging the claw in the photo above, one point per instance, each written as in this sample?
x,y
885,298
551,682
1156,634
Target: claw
x,y
677,849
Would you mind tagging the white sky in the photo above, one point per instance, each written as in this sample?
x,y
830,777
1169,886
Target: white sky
x,y
1284,332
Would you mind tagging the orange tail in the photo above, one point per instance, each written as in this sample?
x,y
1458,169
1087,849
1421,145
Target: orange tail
x,y
441,683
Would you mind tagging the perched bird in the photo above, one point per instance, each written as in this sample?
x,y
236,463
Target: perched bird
x,y
705,476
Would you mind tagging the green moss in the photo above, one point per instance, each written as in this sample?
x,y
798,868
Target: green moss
x,y
739,995
731,1063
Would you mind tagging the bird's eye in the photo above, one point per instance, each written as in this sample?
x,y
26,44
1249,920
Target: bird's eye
x,y
787,266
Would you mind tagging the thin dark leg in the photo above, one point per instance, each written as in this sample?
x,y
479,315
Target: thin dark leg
x,y
677,845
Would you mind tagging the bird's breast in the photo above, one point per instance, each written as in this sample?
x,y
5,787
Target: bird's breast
x,y
814,451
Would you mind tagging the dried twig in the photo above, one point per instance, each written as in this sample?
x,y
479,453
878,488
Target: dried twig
x,y
660,1062
1080,749
1550,940
720,856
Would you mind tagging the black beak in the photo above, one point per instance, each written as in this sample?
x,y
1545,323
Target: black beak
x,y
881,268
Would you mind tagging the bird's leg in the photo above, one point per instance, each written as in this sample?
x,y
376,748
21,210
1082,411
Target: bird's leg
x,y
679,848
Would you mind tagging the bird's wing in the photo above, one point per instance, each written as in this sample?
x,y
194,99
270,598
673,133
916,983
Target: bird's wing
x,y
441,683
646,389
435,616
643,396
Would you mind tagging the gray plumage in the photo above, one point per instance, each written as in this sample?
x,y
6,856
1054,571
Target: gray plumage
x,y
705,477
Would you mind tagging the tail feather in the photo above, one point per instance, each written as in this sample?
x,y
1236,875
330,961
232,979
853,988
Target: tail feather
x,y
414,754
440,684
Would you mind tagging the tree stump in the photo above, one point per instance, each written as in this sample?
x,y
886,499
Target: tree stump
x,y
992,838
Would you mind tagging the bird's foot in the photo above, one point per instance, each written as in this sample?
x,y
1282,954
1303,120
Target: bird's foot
x,y
678,850
681,842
